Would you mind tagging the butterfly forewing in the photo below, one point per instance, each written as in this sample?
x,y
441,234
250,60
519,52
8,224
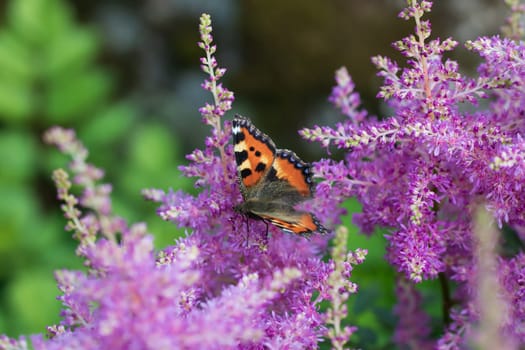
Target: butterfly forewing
x,y
254,151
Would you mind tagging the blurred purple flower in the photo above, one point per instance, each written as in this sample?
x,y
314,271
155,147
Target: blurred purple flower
x,y
413,325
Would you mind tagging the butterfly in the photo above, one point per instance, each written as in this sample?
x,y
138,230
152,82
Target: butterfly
x,y
272,181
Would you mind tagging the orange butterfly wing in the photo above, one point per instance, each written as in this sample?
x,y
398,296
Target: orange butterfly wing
x,y
291,168
272,180
254,151
304,224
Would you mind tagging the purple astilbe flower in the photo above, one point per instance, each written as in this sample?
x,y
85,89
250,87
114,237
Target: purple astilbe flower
x,y
7,343
344,97
421,171
213,167
224,286
132,297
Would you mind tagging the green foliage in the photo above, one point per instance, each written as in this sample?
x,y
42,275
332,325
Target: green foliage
x,y
27,296
48,75
17,167
152,153
46,69
371,308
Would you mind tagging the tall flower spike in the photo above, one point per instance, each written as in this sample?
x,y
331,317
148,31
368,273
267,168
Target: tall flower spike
x,y
340,288
344,97
222,97
94,196
215,175
514,28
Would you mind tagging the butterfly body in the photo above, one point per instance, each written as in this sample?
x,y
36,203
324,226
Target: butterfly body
x,y
272,181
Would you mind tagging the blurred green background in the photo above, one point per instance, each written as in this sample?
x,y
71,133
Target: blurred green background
x,y
125,75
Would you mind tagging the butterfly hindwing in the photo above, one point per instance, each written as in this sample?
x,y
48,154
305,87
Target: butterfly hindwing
x,y
302,223
273,181
289,167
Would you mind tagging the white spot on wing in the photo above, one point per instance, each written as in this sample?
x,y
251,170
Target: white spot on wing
x,y
241,146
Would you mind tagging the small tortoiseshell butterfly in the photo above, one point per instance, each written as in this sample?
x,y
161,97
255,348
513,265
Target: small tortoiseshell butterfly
x,y
273,181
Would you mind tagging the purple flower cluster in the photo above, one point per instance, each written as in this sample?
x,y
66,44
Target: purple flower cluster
x,y
452,143
226,285
451,149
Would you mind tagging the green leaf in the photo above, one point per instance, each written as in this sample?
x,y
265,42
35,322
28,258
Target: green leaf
x,y
77,96
15,59
153,160
152,148
18,152
108,126
16,101
18,209
32,299
165,232
70,52
38,21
